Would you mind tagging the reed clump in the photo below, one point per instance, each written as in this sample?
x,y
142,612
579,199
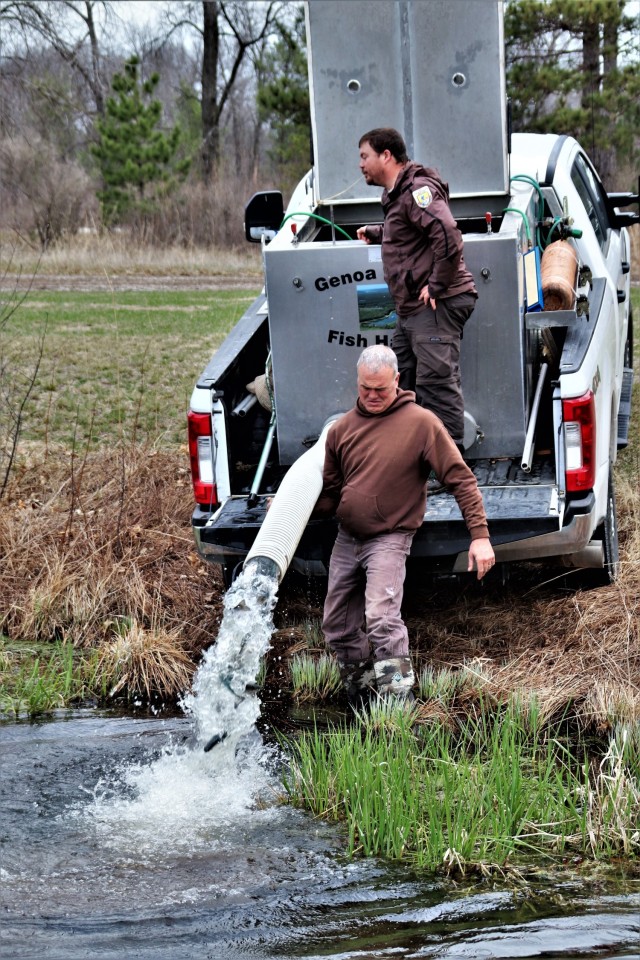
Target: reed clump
x,y
314,678
495,789
146,661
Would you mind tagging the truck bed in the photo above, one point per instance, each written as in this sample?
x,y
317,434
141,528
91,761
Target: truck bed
x,y
518,505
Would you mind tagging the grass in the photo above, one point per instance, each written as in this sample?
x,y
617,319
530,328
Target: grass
x,y
439,684
314,679
36,679
107,257
118,366
495,790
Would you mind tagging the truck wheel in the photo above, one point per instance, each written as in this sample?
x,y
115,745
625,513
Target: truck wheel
x,y
608,533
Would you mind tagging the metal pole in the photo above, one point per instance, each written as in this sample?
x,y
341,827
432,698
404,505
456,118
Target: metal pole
x,y
264,456
527,453
242,408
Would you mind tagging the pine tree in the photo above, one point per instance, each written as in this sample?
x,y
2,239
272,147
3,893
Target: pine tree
x,y
138,161
283,101
572,67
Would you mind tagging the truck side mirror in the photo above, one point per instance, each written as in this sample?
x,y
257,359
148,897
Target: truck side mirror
x,y
263,215
626,219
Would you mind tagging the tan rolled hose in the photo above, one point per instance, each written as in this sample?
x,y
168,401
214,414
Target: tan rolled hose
x,y
558,272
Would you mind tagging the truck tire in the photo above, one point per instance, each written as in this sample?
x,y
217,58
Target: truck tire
x,y
610,535
607,532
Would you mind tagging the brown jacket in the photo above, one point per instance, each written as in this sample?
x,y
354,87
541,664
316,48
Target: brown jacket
x,y
376,467
421,242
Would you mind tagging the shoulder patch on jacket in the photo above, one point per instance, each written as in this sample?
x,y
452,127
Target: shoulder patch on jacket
x,y
422,196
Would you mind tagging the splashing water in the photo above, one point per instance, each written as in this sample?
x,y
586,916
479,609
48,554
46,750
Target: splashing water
x,y
181,800
222,704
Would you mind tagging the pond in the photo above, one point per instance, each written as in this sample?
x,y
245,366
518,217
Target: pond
x,y
152,837
121,838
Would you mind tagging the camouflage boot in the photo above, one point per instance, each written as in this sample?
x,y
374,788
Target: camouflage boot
x,y
359,681
395,678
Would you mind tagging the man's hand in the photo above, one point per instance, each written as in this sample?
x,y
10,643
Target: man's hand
x,y
362,235
426,298
481,556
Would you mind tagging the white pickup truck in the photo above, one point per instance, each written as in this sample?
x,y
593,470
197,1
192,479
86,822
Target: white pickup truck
x,y
547,384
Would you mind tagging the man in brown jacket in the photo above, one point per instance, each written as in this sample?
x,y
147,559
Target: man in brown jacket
x,y
377,460
424,268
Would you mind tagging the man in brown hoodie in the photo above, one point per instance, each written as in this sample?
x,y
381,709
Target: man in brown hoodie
x,y
422,256
377,460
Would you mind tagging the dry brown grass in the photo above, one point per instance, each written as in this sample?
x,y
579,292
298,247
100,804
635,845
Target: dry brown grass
x,y
149,662
114,255
100,554
576,651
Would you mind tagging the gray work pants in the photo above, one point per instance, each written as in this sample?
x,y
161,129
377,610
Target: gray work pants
x,y
364,596
427,346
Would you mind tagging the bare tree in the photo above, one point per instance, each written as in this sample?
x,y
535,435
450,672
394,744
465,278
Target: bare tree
x,y
44,194
229,32
70,27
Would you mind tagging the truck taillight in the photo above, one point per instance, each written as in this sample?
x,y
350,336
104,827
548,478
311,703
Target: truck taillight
x,y
579,417
202,460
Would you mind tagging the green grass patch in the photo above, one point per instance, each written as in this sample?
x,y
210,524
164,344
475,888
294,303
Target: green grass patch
x,y
38,678
314,679
117,365
440,684
497,788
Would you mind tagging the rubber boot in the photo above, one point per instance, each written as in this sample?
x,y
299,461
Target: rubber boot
x,y
359,681
395,678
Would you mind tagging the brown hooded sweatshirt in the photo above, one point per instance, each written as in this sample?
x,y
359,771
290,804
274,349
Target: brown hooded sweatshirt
x,y
421,242
376,468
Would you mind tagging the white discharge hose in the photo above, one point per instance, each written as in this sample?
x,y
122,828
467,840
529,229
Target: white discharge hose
x,y
291,508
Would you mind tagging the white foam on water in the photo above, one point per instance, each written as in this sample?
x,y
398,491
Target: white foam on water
x,y
184,800
188,797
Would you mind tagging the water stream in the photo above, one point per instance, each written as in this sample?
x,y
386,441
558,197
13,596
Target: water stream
x,y
121,837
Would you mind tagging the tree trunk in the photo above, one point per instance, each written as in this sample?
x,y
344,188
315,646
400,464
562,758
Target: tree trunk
x,y
210,107
590,60
611,27
97,86
590,77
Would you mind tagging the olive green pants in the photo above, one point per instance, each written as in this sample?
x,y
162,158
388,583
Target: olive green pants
x,y
427,346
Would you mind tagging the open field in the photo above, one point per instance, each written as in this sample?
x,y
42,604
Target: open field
x,y
118,366
94,526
